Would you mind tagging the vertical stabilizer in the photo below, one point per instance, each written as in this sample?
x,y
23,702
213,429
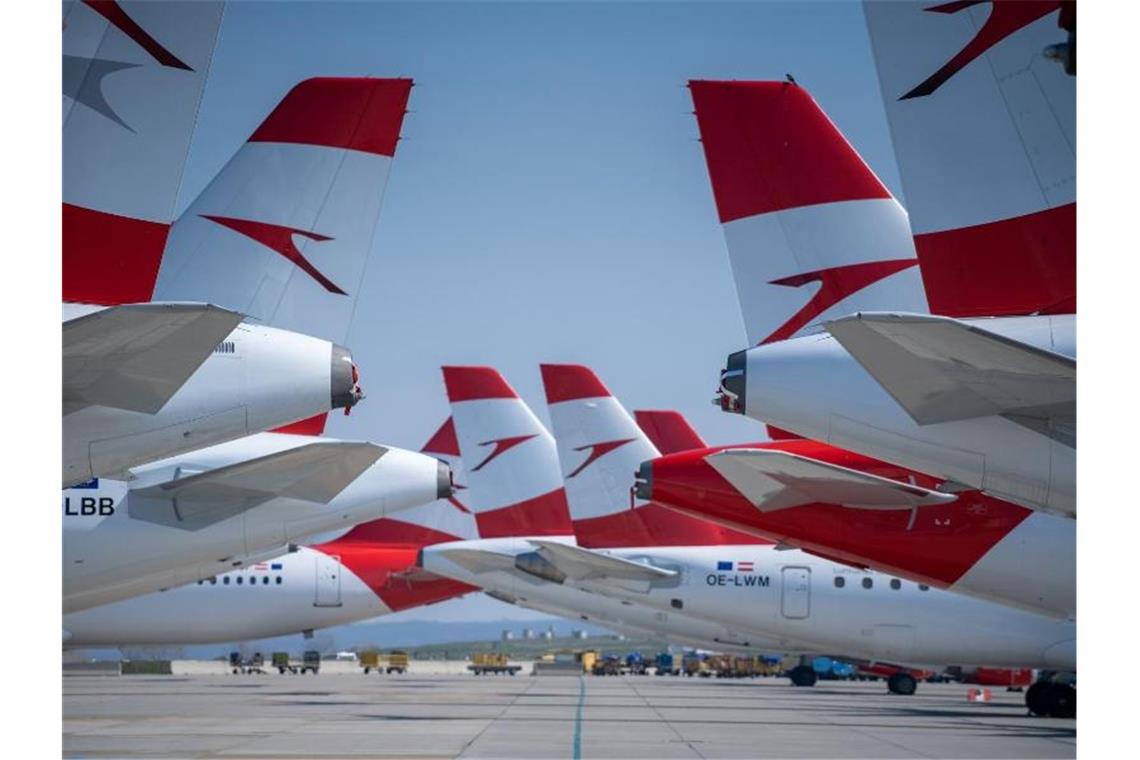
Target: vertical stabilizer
x,y
984,130
812,233
284,232
510,459
600,448
133,78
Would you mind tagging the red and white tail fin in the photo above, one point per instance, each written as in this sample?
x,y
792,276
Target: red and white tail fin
x,y
984,130
600,448
668,430
514,484
284,232
441,520
133,77
812,233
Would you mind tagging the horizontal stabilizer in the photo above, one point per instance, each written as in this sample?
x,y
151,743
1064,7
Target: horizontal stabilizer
x,y
480,560
137,356
315,472
774,480
941,369
585,564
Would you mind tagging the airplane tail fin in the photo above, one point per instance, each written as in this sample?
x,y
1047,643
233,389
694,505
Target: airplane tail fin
x,y
984,130
812,233
284,232
133,77
514,484
669,431
600,448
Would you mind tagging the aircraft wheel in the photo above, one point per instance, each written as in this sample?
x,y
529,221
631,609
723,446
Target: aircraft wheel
x,y
902,683
1039,698
1062,701
803,675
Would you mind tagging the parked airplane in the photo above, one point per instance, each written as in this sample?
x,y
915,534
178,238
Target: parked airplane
x,y
986,404
281,236
819,604
368,571
203,513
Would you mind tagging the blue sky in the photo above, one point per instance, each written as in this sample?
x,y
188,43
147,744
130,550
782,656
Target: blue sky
x,y
549,200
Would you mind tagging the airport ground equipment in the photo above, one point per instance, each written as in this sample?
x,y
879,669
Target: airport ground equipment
x,y
694,665
247,665
392,662
666,665
310,663
494,663
635,664
397,662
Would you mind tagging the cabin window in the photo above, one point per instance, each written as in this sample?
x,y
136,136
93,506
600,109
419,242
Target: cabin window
x,y
677,604
923,587
278,580
240,580
840,581
867,583
896,584
225,580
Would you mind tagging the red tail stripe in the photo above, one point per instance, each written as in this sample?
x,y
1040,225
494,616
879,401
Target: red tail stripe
x,y
1029,265
473,383
769,147
546,515
443,441
567,382
340,112
110,259
312,426
669,431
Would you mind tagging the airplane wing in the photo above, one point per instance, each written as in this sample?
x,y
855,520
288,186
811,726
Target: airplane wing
x,y
315,472
774,480
137,356
940,369
584,564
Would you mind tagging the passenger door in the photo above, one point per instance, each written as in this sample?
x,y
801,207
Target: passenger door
x,y
328,581
795,592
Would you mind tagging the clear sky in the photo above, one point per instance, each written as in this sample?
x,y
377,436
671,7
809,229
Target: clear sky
x,y
549,199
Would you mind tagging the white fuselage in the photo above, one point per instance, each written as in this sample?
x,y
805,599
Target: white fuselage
x,y
813,387
114,549
790,599
259,378
296,592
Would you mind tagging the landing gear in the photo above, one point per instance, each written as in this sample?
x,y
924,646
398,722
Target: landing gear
x,y
1052,699
803,675
902,683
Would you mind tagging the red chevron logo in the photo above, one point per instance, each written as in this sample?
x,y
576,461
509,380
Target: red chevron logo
x,y
502,445
114,13
597,451
1006,17
835,284
279,238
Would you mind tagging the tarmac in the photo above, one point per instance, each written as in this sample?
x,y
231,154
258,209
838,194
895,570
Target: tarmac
x,y
438,715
